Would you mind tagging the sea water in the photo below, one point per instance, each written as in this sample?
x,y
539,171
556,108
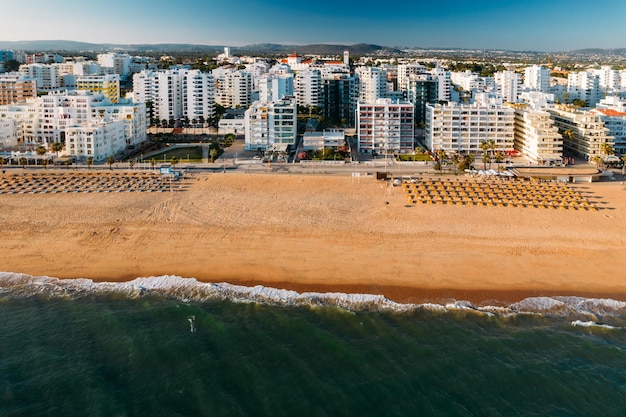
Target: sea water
x,y
167,346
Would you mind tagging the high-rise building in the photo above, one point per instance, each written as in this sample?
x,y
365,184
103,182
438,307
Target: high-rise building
x,y
584,85
307,87
404,74
444,82
118,63
233,88
275,87
508,84
537,77
337,98
372,83
385,126
46,76
422,89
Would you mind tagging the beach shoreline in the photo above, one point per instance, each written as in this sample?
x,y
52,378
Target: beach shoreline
x,y
322,234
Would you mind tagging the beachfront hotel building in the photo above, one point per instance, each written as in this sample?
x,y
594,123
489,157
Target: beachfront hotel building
x,y
587,130
536,136
385,126
16,88
176,93
51,118
270,123
612,109
461,128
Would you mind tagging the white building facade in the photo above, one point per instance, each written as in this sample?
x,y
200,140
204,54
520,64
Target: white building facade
x,y
385,126
269,124
461,128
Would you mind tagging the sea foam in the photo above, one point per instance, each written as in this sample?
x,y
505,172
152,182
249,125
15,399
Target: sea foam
x,y
190,289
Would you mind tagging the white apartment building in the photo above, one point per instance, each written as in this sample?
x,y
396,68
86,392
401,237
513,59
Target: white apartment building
x,y
610,80
537,78
537,99
47,77
444,83
176,93
468,80
385,126
97,140
275,87
508,84
199,95
585,86
269,124
588,131
536,136
47,120
233,88
233,121
612,102
461,128
615,121
372,83
404,74
307,86
119,63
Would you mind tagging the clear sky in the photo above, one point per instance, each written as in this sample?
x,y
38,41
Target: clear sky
x,y
541,25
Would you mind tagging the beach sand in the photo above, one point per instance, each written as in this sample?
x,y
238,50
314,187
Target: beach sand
x,y
321,233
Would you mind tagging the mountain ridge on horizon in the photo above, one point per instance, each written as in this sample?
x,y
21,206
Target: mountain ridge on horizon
x,y
263,48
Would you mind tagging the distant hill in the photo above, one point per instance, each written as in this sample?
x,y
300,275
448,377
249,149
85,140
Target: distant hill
x,y
265,48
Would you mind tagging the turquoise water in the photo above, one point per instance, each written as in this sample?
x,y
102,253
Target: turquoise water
x,y
109,354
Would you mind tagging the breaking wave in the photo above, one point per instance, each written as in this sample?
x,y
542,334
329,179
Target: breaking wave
x,y
585,310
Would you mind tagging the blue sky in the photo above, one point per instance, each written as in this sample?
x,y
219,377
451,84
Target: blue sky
x,y
542,25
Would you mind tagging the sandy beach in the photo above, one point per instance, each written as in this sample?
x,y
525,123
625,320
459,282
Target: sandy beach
x,y
321,233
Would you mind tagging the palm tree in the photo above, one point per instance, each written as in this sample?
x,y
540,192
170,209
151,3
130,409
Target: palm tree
x,y
2,161
213,153
173,161
131,163
624,163
597,159
456,159
500,159
110,161
89,162
606,149
23,162
57,147
152,163
41,151
484,146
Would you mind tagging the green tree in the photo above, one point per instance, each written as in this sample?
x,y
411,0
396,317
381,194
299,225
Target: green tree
x,y
152,163
12,65
23,162
456,160
213,153
173,161
57,147
110,161
623,163
131,163
89,162
499,158
484,146
41,151
568,134
2,161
